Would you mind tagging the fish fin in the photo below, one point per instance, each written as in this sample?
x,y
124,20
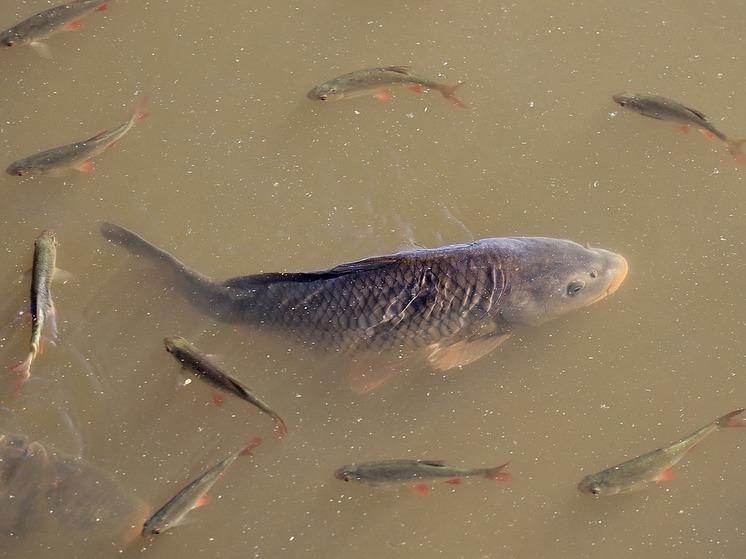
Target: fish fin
x,y
64,276
449,91
444,356
665,475
421,489
218,399
202,501
728,420
454,481
86,167
23,370
683,129
736,151
281,427
140,112
102,8
251,445
696,113
383,95
499,474
73,26
112,145
707,134
41,49
369,372
399,69
416,88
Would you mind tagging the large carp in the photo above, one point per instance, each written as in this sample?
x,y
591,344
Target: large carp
x,y
454,303
51,498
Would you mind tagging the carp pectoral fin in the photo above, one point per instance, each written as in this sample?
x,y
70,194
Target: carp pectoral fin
x,y
371,370
446,356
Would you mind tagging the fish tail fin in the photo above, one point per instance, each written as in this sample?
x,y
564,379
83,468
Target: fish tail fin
x,y
728,420
201,291
498,474
23,370
140,112
449,91
281,427
251,445
735,148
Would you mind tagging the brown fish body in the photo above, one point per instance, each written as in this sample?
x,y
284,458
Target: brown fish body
x,y
58,18
375,80
200,364
663,108
47,494
456,303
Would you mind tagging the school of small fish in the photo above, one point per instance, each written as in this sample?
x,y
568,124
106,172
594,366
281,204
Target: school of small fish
x,y
449,305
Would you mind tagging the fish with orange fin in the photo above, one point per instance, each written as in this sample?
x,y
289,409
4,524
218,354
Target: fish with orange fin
x,y
375,81
662,108
198,363
57,161
192,496
64,17
42,306
637,473
387,473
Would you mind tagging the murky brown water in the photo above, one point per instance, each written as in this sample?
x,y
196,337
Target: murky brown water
x,y
236,171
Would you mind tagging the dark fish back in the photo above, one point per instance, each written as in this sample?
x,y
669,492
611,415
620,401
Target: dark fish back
x,y
413,299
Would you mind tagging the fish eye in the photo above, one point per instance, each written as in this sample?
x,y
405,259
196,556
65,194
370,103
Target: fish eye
x,y
10,43
595,490
594,273
322,97
575,287
346,478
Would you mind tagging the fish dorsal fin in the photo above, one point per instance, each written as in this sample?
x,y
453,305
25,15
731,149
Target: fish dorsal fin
x,y
436,463
366,265
695,112
446,355
399,69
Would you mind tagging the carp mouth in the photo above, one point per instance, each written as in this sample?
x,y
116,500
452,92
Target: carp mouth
x,y
621,273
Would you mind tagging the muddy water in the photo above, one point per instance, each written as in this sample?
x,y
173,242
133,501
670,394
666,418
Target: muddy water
x,y
235,171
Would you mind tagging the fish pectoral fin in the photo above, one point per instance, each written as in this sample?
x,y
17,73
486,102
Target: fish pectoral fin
x,y
202,501
454,481
383,95
73,26
41,49
86,167
666,475
421,489
445,355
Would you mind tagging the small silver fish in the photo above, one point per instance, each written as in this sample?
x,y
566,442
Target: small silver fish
x,y
59,160
636,473
662,108
42,306
375,81
192,496
383,473
44,24
193,360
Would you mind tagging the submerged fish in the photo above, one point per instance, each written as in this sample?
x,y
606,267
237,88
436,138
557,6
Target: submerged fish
x,y
192,359
375,81
47,494
399,472
662,108
454,304
57,161
42,306
636,473
192,496
40,26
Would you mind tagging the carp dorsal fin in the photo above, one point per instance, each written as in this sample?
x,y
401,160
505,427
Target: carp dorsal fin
x,y
366,265
446,355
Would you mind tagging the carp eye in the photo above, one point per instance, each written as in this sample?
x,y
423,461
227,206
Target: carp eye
x,y
575,287
346,478
594,273
595,490
322,97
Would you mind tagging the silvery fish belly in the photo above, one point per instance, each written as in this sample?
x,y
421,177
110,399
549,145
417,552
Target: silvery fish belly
x,y
455,303
45,494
